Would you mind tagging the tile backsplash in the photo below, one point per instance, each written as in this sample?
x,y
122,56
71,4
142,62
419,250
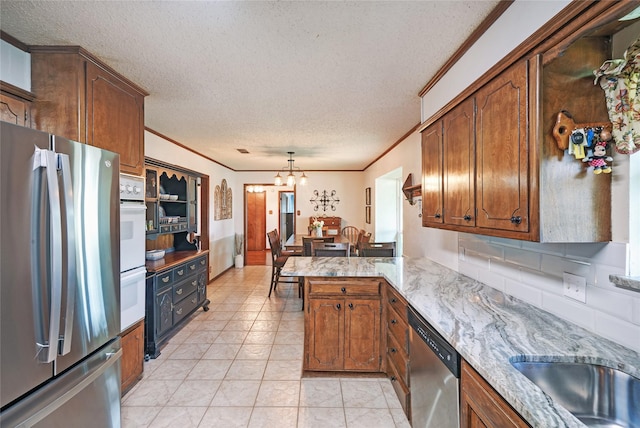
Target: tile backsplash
x,y
533,272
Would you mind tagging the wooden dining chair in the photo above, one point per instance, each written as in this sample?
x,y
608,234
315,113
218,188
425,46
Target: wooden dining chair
x,y
363,237
278,259
377,249
329,249
307,241
351,233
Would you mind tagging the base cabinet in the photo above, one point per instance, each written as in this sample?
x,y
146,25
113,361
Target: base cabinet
x,y
172,295
132,365
342,325
398,347
482,406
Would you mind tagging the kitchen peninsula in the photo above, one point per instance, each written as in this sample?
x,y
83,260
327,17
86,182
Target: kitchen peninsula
x,y
487,327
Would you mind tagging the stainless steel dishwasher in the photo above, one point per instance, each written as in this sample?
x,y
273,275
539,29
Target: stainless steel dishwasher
x,y
435,377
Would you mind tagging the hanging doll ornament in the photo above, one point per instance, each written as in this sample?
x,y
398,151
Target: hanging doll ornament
x,y
597,158
619,80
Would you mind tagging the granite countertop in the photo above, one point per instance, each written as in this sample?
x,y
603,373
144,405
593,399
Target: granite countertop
x,y
486,326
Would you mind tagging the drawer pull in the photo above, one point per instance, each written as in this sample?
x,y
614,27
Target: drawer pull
x,y
192,267
338,306
393,300
351,306
202,262
179,291
394,321
467,218
438,215
179,311
392,378
393,350
194,282
165,279
180,272
194,300
343,289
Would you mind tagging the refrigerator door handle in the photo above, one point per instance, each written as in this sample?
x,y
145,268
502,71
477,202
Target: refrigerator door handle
x,y
71,285
47,159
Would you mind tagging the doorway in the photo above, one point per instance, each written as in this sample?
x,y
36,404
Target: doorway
x,y
388,209
287,214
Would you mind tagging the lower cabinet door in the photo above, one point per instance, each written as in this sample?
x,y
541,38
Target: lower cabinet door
x,y
362,335
164,306
132,343
325,334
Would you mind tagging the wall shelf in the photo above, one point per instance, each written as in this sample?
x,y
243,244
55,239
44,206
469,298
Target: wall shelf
x,y
411,191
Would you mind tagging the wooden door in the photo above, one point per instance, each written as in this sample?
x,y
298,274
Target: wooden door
x,y
115,118
459,175
502,152
256,221
362,335
432,187
325,334
132,356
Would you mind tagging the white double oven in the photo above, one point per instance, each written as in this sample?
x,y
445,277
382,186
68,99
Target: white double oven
x,y
132,250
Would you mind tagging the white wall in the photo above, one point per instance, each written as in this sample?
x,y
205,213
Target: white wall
x,y
15,66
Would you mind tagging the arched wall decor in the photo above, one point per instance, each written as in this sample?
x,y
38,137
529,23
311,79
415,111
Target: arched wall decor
x,y
324,200
223,202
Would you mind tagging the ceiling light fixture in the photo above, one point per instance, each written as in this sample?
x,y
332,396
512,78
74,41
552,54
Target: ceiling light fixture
x,y
291,178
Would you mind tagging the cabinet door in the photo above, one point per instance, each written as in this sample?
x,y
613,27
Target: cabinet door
x,y
325,334
14,110
132,356
164,312
362,335
459,174
432,196
115,118
192,199
502,151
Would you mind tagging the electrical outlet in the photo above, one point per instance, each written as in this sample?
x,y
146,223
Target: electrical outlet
x,y
575,287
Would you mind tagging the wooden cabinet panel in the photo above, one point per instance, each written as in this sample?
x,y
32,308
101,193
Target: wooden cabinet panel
x,y
432,187
132,363
115,118
459,161
362,335
502,151
15,110
325,334
482,406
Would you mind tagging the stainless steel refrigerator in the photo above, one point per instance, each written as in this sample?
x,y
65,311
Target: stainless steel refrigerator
x,y
59,282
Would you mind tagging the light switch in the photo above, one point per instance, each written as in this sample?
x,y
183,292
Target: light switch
x,y
575,287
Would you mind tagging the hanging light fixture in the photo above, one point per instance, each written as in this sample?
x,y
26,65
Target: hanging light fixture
x,y
291,178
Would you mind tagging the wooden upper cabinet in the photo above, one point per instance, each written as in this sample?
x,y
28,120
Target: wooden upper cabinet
x,y
459,171
15,105
432,188
502,152
82,99
115,118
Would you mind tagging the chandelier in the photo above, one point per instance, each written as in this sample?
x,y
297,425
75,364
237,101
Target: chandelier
x,y
291,179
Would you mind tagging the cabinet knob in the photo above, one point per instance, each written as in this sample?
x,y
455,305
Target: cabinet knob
x,y
438,215
393,300
394,321
393,350
338,306
350,305
516,219
467,217
392,378
344,290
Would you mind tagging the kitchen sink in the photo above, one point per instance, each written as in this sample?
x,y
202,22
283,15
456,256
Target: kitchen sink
x,y
598,396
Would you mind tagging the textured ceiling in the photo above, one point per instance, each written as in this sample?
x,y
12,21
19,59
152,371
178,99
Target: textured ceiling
x,y
335,82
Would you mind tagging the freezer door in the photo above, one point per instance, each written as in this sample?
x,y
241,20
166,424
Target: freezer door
x,y
25,311
86,396
95,309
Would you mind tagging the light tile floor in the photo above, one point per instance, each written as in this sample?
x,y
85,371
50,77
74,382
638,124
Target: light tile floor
x,y
240,364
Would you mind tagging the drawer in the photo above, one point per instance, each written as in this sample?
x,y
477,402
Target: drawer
x,y
402,391
397,302
396,355
180,272
202,262
192,266
399,328
352,288
184,288
185,307
164,279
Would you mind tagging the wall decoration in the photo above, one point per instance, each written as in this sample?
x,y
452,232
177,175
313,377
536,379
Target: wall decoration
x,y
367,196
324,200
367,214
222,202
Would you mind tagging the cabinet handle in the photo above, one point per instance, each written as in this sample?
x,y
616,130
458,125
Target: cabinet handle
x,y
194,282
179,311
194,300
393,300
393,350
180,272
516,219
192,267
344,290
394,321
165,279
467,217
392,378
350,305
438,215
179,291
338,306
202,262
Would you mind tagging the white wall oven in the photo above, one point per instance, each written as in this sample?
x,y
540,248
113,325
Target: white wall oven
x,y
132,248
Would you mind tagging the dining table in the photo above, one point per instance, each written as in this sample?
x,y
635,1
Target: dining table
x,y
294,242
